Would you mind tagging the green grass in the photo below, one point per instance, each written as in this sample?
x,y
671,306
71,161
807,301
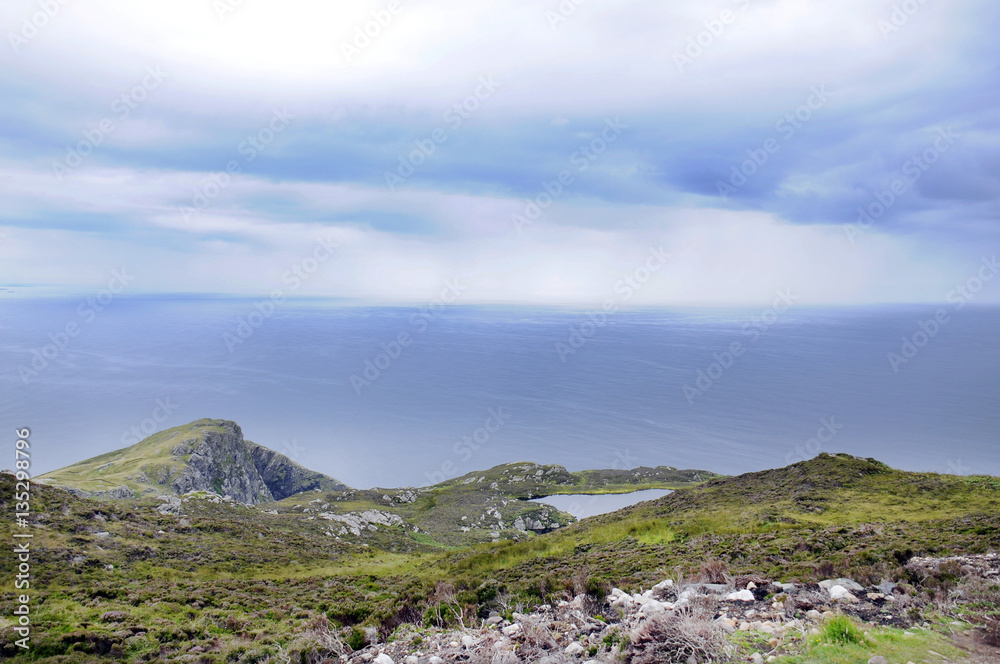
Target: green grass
x,y
274,574
890,643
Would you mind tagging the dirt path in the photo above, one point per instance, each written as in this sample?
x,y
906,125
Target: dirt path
x,y
978,652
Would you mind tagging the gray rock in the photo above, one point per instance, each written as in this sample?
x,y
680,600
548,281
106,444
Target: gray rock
x,y
878,659
846,583
224,463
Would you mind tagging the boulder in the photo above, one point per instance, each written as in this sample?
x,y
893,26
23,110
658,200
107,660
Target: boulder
x,y
844,583
842,594
741,596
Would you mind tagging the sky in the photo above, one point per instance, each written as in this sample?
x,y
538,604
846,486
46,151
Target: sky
x,y
536,152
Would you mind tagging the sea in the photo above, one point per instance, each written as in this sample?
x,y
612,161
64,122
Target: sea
x,y
412,395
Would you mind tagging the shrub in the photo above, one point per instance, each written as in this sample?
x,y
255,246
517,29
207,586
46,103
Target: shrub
x,y
678,638
714,571
841,630
356,639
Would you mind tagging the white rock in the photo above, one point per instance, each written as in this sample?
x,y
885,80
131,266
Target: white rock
x,y
383,659
756,658
842,594
686,596
469,641
511,630
435,660
651,607
741,596
574,649
878,659
411,659
663,585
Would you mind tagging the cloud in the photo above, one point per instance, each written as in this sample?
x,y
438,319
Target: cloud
x,y
421,139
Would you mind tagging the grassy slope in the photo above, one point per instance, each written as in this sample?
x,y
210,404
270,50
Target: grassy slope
x,y
227,573
833,514
121,467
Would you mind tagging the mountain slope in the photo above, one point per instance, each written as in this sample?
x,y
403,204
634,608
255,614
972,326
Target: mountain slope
x,y
206,455
834,515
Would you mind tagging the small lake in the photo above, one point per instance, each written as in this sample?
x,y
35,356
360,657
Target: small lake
x,y
583,505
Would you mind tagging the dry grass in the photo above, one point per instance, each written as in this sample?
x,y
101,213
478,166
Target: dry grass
x,y
678,637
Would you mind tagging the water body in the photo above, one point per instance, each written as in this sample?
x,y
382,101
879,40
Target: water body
x,y
583,505
480,386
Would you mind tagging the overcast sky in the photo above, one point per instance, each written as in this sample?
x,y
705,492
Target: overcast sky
x,y
738,138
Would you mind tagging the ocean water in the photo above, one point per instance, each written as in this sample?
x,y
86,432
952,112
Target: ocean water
x,y
472,387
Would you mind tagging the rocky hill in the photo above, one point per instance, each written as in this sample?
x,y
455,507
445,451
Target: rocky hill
x,y
206,455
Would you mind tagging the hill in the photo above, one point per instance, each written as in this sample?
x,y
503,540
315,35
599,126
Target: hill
x,y
483,506
218,581
206,455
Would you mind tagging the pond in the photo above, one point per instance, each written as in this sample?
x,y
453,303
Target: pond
x,y
583,505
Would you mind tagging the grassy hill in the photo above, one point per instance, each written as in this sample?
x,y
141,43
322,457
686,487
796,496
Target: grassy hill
x,y
203,455
121,581
832,515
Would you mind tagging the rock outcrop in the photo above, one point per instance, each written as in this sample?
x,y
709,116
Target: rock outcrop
x,y
224,463
202,456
